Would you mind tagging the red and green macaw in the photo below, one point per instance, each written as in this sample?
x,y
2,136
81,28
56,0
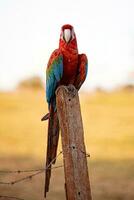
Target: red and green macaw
x,y
65,67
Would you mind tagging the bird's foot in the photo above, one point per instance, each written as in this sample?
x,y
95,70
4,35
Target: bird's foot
x,y
71,88
62,86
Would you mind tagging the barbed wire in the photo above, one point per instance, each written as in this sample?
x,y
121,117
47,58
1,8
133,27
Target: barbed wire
x,y
18,171
24,171
38,171
77,148
9,197
34,174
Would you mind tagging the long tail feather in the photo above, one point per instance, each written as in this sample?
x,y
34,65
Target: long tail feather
x,y
52,144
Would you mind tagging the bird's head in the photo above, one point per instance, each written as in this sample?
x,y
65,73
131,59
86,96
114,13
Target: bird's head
x,y
67,36
67,33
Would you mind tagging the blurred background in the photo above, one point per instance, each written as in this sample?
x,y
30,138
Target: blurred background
x,y
29,32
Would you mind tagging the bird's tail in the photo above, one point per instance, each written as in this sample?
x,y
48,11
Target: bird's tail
x,y
52,144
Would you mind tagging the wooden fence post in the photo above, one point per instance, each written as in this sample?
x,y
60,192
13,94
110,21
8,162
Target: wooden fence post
x,y
77,183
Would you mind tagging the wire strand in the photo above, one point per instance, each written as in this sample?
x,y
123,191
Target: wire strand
x,y
9,197
34,174
21,171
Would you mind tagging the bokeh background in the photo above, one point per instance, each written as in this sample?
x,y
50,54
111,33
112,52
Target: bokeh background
x,y
29,32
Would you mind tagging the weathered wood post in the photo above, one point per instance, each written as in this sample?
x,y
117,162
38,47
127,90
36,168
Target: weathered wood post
x,y
77,183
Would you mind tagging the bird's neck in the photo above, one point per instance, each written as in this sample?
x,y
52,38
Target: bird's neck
x,y
68,47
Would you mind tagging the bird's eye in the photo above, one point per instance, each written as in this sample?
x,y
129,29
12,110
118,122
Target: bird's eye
x,y
73,34
62,35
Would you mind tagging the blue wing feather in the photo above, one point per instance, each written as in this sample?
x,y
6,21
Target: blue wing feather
x,y
53,74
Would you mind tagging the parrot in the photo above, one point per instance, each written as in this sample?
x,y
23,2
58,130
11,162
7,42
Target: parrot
x,y
65,66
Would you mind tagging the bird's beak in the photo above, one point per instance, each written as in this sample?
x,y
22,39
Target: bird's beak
x,y
67,35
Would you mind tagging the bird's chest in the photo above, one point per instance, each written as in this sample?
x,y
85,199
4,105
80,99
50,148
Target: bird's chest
x,y
70,67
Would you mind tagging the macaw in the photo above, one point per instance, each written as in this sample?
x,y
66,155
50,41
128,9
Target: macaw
x,y
65,67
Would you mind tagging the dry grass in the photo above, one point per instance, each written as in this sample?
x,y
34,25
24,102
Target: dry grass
x,y
109,129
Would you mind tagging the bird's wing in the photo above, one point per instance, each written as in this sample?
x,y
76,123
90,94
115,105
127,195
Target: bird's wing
x,y
82,70
54,74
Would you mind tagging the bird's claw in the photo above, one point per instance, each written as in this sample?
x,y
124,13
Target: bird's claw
x,y
69,89
72,90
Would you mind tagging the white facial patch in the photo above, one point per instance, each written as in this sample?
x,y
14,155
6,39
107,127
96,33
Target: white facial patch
x,y
67,35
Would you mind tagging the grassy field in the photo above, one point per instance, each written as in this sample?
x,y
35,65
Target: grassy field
x,y
108,120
